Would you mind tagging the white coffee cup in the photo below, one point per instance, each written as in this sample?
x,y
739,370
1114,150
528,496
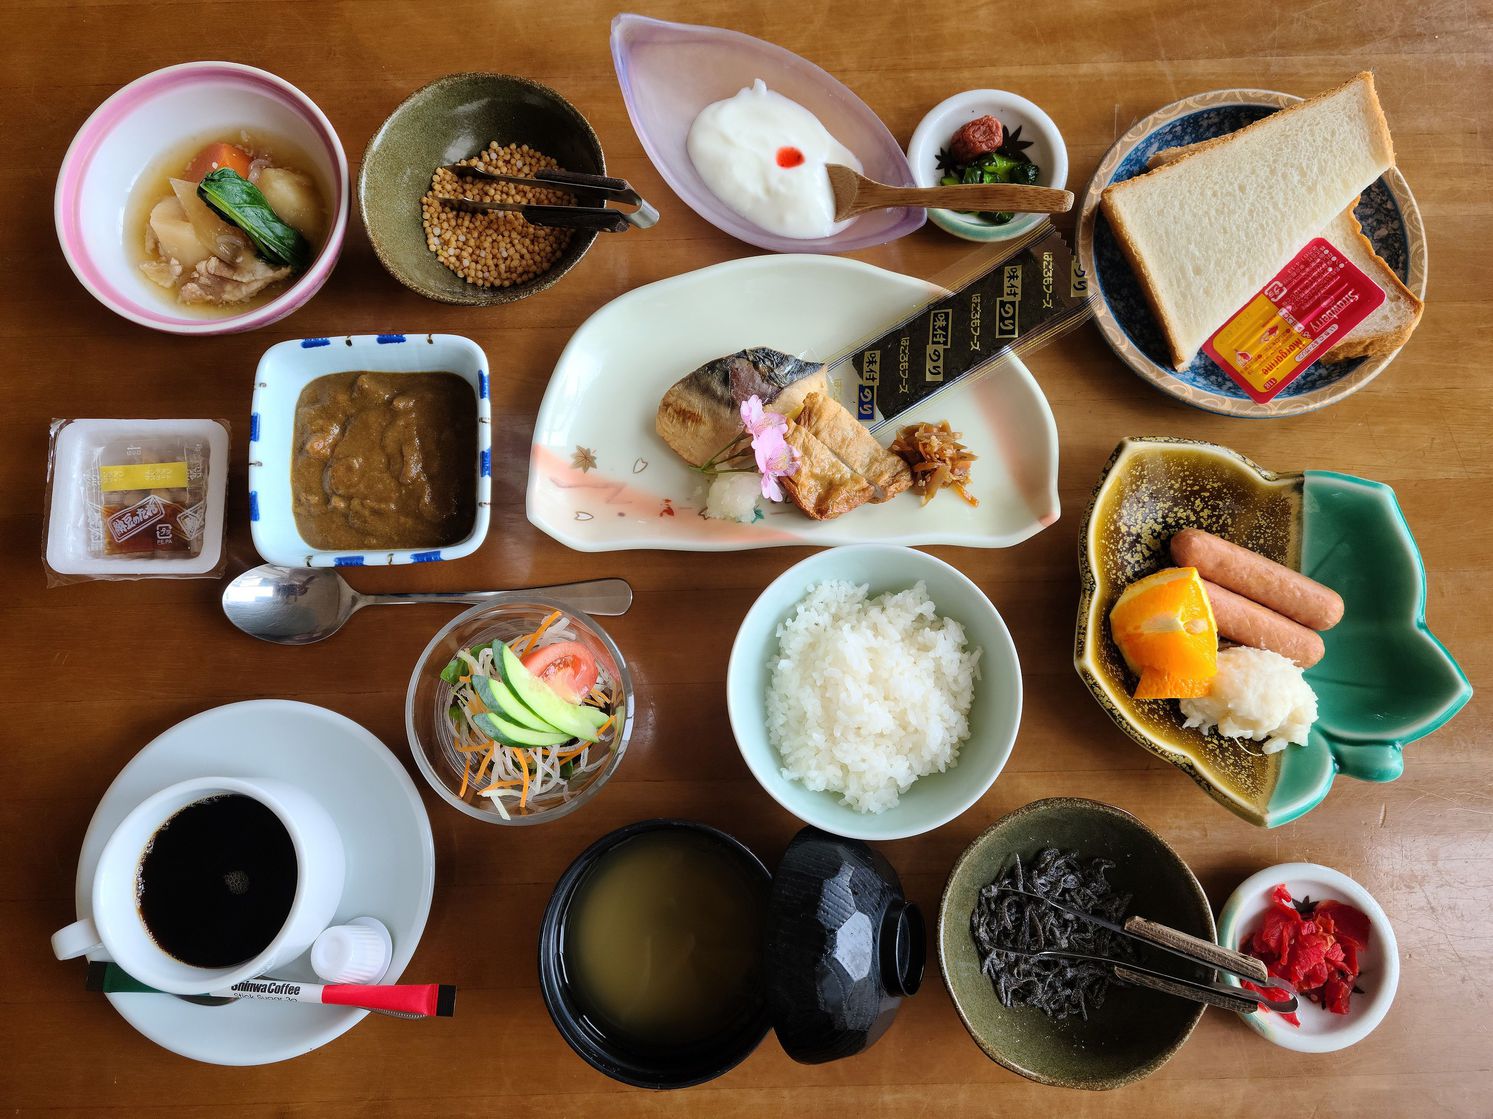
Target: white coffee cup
x,y
116,926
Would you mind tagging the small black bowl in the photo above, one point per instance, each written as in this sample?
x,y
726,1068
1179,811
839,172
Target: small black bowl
x,y
642,1065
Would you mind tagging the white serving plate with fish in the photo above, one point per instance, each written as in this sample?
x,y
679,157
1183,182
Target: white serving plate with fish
x,y
601,479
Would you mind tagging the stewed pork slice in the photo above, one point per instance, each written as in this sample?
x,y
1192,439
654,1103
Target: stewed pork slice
x,y
216,281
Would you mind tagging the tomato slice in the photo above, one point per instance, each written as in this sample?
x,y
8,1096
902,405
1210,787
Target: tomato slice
x,y
567,667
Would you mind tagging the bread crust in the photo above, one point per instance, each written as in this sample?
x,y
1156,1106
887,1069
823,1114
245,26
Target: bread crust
x,y
1128,245
1381,342
1147,280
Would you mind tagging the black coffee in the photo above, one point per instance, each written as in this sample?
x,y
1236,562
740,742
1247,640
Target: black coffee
x,y
217,880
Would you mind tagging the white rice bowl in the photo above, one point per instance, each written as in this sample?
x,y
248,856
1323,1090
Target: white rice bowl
x,y
866,695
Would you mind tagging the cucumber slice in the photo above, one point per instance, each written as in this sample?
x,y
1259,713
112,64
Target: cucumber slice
x,y
508,733
497,698
594,715
537,696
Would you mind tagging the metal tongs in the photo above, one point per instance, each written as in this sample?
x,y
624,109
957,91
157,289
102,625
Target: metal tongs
x,y
1185,946
595,191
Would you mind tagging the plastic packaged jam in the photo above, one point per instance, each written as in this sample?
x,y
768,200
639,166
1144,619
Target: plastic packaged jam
x,y
136,499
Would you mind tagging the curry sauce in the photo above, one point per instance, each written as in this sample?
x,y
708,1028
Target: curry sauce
x,y
385,460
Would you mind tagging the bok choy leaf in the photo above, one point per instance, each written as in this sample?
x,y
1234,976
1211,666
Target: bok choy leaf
x,y
237,200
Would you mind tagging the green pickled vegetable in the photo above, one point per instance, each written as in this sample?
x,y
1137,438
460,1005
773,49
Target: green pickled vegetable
x,y
238,201
1027,174
998,165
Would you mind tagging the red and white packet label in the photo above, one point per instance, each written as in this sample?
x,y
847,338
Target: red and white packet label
x,y
1311,303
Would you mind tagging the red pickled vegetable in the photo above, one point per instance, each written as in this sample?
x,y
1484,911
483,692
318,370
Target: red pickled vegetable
x,y
977,138
1314,946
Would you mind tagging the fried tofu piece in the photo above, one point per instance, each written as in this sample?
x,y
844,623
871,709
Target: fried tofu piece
x,y
822,486
833,425
840,465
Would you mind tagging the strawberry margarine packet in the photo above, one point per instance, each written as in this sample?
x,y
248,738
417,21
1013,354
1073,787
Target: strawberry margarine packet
x,y
1311,303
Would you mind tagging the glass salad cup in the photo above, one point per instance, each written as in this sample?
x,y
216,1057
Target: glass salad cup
x,y
428,724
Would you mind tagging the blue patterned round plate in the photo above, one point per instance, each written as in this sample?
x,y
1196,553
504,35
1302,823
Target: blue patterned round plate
x,y
1386,210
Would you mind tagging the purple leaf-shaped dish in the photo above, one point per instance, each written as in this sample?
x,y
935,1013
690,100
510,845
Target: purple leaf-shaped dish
x,y
1385,680
670,71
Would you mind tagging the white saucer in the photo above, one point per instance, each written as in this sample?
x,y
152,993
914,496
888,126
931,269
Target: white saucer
x,y
390,861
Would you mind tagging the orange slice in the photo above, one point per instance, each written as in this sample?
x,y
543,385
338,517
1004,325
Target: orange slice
x,y
1164,627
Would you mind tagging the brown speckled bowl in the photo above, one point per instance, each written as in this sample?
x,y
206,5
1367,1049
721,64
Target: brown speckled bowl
x,y
451,119
1385,680
1150,489
1136,1030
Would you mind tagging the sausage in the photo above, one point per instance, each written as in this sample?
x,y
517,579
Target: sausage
x,y
1248,623
1248,573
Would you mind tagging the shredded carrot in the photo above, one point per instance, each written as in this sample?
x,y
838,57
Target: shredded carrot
x,y
523,766
465,777
477,707
606,726
500,785
579,750
482,744
538,633
486,761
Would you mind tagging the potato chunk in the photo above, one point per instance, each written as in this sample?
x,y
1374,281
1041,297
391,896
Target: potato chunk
x,y
175,237
295,200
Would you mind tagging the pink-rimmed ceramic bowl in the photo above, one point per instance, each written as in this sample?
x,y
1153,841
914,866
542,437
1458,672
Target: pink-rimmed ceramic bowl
x,y
670,71
130,131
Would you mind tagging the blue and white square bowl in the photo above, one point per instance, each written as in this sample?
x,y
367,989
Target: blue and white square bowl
x,y
285,370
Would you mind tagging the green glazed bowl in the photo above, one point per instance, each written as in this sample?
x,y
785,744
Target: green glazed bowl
x,y
1136,1030
451,119
1385,680
994,713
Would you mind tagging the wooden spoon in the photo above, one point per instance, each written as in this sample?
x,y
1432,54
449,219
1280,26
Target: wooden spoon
x,y
855,194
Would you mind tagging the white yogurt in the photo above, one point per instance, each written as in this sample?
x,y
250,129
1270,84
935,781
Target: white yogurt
x,y
764,156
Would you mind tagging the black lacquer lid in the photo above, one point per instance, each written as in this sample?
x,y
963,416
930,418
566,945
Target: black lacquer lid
x,y
844,947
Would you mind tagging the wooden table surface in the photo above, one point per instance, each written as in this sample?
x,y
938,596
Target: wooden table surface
x,y
90,673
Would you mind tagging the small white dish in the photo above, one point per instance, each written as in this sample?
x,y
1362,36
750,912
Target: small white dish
x,y
936,129
285,370
68,549
390,869
994,716
1320,1031
601,479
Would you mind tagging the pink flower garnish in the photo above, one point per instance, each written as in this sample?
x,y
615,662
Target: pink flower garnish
x,y
775,458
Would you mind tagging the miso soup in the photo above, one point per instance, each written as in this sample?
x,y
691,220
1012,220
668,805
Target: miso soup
x,y
662,942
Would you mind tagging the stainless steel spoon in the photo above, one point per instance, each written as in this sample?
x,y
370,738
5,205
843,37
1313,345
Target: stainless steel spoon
x,y
299,605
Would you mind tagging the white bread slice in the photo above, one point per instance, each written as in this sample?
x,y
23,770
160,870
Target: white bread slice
x,y
1205,233
1389,325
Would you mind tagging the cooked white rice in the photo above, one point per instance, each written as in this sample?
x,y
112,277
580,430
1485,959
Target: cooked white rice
x,y
1257,695
866,696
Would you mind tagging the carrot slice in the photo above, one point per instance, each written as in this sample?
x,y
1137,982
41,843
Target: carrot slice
x,y
538,633
465,777
486,761
214,156
523,766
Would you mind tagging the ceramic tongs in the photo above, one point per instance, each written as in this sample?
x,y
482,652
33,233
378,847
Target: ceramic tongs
x,y
1185,946
592,191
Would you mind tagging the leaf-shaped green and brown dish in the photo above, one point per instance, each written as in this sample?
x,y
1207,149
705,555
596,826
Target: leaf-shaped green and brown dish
x,y
1384,681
